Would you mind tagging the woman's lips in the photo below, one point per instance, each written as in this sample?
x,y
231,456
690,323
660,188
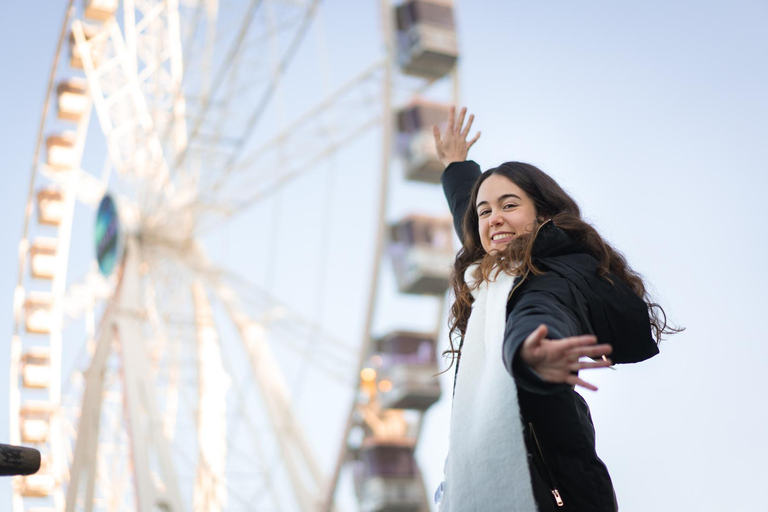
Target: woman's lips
x,y
507,237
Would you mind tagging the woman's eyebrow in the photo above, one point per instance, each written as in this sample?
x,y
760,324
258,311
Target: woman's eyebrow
x,y
500,199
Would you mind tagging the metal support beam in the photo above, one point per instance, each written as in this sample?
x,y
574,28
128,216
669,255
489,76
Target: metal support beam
x,y
148,442
210,493
297,456
83,469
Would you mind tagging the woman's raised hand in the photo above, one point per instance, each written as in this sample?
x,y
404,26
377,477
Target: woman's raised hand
x,y
558,360
452,146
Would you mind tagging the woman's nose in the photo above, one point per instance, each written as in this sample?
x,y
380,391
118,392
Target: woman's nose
x,y
494,219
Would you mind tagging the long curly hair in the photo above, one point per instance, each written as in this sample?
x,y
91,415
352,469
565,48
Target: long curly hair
x,y
553,204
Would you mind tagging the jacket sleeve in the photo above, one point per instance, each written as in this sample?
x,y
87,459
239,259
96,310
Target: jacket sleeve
x,y
458,180
535,307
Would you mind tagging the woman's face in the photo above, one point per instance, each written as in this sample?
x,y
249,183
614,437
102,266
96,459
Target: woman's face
x,y
504,212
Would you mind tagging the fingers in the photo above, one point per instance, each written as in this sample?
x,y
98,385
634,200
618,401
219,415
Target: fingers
x,y
451,118
583,346
531,350
436,133
576,343
573,380
594,351
537,335
469,145
466,129
588,365
460,121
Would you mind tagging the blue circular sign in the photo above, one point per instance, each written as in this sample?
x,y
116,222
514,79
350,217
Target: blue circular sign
x,y
107,235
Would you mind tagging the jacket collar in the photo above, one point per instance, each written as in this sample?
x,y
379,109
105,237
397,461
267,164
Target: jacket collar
x,y
552,241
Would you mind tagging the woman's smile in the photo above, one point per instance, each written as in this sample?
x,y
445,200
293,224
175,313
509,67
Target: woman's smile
x,y
503,237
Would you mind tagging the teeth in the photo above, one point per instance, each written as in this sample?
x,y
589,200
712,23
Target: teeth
x,y
499,237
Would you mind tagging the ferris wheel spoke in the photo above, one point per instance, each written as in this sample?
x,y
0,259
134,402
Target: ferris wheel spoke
x,y
348,98
288,169
274,312
210,483
170,349
84,459
218,79
205,13
270,309
264,470
333,124
145,425
194,405
330,353
113,473
277,73
215,105
297,455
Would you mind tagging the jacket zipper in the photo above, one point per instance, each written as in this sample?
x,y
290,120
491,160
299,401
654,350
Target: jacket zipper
x,y
551,480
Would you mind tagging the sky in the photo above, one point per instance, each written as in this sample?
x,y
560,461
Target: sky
x,y
653,115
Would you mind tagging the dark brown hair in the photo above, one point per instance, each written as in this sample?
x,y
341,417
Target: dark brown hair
x,y
553,204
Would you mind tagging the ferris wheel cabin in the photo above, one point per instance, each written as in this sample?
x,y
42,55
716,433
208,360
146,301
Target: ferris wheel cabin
x,y
43,258
61,151
426,37
36,368
100,10
35,415
38,312
409,363
71,100
388,479
75,59
422,254
416,142
50,206
39,485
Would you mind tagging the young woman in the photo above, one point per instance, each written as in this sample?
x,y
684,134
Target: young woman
x,y
536,290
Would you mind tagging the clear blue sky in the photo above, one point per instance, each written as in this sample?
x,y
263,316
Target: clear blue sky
x,y
654,115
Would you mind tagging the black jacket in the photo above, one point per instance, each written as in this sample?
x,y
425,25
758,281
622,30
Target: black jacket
x,y
571,299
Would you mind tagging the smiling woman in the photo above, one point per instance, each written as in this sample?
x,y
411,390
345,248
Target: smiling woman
x,y
504,211
536,288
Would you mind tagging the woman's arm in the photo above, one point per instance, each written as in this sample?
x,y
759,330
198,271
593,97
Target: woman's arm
x,y
459,175
543,343
458,180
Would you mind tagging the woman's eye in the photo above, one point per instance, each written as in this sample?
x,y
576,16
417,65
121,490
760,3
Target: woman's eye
x,y
480,214
508,206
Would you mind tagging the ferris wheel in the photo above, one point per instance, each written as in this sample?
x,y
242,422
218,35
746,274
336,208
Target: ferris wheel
x,y
155,371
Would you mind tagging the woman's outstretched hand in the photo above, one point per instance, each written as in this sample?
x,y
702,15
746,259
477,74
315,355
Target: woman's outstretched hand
x,y
555,360
452,146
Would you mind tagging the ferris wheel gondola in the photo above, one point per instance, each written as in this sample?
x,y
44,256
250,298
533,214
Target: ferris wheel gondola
x,y
157,378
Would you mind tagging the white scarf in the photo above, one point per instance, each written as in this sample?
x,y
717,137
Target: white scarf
x,y
487,466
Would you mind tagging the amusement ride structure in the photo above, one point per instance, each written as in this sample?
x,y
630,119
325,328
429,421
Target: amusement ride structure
x,y
153,378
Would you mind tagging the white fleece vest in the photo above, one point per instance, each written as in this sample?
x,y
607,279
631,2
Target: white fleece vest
x,y
487,465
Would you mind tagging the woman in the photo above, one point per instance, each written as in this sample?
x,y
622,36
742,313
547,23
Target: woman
x,y
535,289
